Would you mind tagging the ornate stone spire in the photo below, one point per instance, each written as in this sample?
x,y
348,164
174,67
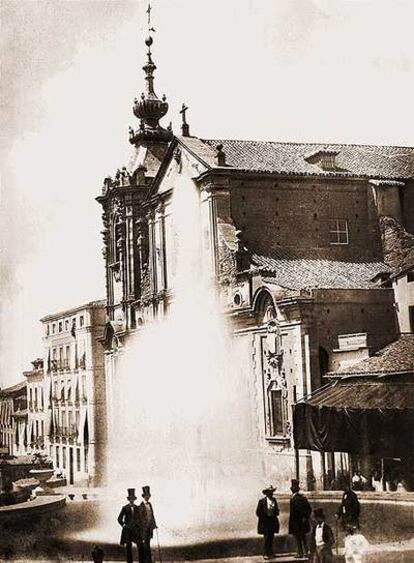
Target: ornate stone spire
x,y
149,109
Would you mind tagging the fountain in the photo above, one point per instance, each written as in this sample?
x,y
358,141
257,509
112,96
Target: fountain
x,y
182,419
42,475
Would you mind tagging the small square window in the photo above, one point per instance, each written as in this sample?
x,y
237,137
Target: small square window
x,y
338,231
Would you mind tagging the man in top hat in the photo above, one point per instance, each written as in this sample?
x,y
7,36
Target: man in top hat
x,y
268,525
322,539
129,520
300,511
147,526
348,512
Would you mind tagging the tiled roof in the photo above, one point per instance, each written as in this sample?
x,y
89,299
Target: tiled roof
x,y
367,395
397,357
290,158
296,273
91,305
398,245
13,388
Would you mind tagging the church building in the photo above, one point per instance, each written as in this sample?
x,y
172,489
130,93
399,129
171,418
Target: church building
x,y
291,235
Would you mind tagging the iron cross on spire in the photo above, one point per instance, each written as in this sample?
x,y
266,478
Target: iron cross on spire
x,y
148,12
185,128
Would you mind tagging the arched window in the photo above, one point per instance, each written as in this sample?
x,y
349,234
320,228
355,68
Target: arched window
x,y
264,308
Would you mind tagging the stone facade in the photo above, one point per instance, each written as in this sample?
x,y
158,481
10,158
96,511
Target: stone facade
x,y
403,285
74,392
291,235
36,411
13,419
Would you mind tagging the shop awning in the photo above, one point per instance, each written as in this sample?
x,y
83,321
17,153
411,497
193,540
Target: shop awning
x,y
365,417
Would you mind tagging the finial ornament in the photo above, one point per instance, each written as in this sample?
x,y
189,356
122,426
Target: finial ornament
x,y
185,128
149,109
220,155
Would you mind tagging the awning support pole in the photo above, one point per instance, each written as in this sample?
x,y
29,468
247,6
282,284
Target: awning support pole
x,y
323,466
297,461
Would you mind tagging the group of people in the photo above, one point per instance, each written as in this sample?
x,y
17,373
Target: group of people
x,y
138,525
322,538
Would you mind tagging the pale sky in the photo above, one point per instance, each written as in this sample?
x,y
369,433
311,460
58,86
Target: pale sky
x,y
288,70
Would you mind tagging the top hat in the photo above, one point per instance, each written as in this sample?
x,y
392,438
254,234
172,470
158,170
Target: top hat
x,y
269,489
294,483
318,513
146,491
131,494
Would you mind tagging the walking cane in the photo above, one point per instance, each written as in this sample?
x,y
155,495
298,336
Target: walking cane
x,y
336,536
158,543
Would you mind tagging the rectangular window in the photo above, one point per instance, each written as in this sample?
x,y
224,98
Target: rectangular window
x,y
57,457
81,320
64,457
67,357
86,461
61,358
78,459
42,428
37,428
53,328
276,412
60,326
67,324
338,231
35,397
47,330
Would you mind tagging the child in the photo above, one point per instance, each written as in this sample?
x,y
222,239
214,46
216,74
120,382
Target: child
x,y
355,546
322,539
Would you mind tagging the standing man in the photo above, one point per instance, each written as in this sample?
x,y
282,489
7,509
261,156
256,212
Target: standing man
x,y
268,525
300,511
322,539
129,520
147,526
349,510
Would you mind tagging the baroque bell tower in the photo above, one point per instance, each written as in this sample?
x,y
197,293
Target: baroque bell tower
x,y
125,228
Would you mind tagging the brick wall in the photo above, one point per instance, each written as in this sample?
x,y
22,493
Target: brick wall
x,y
295,214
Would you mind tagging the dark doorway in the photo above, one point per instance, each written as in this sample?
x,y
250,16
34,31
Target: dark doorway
x,y
323,361
70,466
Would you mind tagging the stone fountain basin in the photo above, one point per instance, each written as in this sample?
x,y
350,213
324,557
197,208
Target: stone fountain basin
x,y
28,509
41,475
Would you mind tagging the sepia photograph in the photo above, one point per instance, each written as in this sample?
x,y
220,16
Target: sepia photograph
x,y
207,281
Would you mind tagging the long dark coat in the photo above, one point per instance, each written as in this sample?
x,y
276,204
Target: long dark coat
x,y
147,522
267,524
129,520
349,509
300,511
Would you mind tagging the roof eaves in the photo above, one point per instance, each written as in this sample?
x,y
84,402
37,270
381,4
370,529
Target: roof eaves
x,y
374,373
162,169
